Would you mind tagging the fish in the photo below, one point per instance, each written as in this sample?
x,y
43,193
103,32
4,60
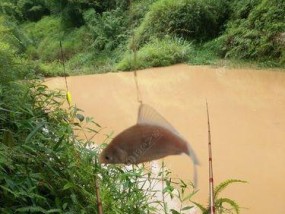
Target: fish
x,y
151,138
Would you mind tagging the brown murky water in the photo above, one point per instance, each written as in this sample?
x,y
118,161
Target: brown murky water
x,y
247,113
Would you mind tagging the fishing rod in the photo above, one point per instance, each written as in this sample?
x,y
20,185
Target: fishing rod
x,y
211,174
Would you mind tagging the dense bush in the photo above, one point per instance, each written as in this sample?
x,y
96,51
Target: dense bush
x,y
12,43
44,169
46,35
109,29
12,67
158,52
240,9
72,11
96,35
258,35
24,9
189,19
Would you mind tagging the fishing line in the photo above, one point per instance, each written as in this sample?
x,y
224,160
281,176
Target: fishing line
x,y
68,95
139,99
133,48
63,64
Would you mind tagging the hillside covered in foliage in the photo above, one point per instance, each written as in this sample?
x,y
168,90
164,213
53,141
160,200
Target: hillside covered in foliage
x,y
101,36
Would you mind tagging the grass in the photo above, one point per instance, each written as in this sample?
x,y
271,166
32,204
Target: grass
x,y
202,56
162,52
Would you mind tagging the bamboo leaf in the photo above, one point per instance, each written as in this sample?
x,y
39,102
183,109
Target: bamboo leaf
x,y
201,207
36,129
189,196
68,186
174,211
187,208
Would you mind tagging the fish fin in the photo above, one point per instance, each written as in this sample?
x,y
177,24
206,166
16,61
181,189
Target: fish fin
x,y
148,115
195,176
196,163
192,155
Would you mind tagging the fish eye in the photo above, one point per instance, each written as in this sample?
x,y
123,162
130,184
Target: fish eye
x,y
107,158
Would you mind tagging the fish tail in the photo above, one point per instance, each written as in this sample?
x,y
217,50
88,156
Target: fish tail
x,y
195,176
190,152
192,155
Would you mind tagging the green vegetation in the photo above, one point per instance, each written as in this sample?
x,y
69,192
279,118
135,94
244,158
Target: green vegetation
x,y
187,19
12,65
162,52
257,34
222,205
102,36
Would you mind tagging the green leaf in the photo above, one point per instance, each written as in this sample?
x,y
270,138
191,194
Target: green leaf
x,y
36,129
189,196
174,211
80,117
201,207
8,139
31,209
8,190
68,186
187,208
97,124
58,143
232,203
64,206
54,211
225,184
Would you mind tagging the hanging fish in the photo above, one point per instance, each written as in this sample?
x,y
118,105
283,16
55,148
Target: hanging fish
x,y
150,139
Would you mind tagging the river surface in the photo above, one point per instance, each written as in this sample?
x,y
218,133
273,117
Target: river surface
x,y
247,114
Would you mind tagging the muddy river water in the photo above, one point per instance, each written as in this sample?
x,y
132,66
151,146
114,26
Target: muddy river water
x,y
247,113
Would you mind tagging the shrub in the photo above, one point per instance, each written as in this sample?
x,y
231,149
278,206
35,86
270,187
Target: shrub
x,y
12,34
222,204
46,35
240,9
189,19
157,53
72,11
259,36
12,65
109,29
207,53
9,8
25,9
